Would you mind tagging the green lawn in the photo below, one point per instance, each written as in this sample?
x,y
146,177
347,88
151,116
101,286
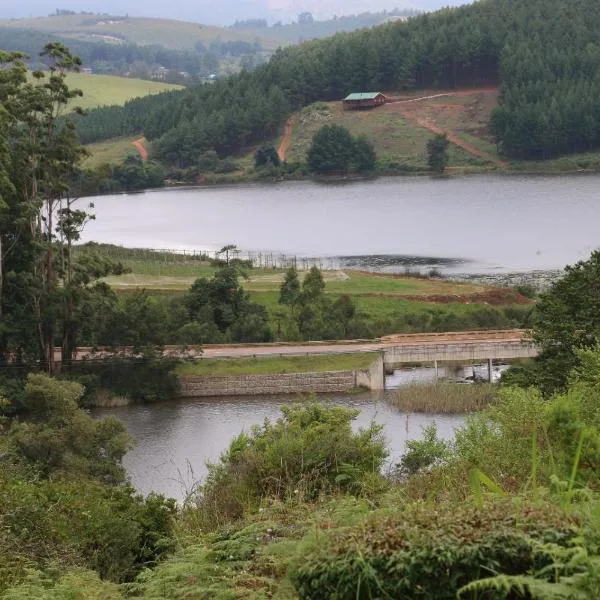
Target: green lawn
x,y
276,365
106,90
160,270
110,151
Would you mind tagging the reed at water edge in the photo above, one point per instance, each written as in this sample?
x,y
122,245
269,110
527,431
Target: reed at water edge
x,y
445,398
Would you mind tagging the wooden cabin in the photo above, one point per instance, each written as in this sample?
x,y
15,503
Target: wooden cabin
x,y
364,100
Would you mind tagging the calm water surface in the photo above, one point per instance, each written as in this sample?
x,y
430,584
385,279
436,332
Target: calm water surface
x,y
176,439
497,223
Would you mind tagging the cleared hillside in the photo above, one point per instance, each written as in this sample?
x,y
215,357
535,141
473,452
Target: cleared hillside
x,y
172,34
399,131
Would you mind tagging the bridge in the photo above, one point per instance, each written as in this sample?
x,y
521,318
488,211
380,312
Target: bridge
x,y
396,350
461,347
401,349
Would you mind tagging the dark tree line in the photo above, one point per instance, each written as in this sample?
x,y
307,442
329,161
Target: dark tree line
x,y
544,52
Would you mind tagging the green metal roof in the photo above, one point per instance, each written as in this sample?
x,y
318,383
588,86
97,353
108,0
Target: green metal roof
x,y
367,96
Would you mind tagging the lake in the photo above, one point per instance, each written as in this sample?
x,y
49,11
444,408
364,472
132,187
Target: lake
x,y
175,439
489,223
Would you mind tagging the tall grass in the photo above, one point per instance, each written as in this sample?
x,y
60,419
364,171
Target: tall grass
x,y
445,398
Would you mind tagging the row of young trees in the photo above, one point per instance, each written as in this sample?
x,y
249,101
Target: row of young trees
x,y
544,52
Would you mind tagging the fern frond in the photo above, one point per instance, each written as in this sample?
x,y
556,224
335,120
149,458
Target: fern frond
x,y
525,586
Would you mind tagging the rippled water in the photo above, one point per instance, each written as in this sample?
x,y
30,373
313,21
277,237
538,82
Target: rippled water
x,y
176,439
487,223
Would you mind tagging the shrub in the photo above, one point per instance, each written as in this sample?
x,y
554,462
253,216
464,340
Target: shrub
x,y
309,451
266,155
58,438
437,153
430,551
335,150
208,161
424,453
81,523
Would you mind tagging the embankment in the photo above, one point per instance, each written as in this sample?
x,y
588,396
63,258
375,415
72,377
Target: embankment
x,y
372,378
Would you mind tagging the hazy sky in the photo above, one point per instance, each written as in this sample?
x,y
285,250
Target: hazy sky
x,y
223,12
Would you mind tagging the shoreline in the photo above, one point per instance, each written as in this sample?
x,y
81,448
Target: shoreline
x,y
214,181
451,173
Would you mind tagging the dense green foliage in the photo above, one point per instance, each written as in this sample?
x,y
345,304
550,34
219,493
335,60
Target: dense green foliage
x,y
437,153
312,315
131,175
149,378
45,293
63,501
543,52
310,450
566,319
219,310
394,556
335,150
266,155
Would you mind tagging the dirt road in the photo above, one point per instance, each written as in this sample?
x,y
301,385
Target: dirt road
x,y
419,339
287,138
338,347
461,143
141,148
405,107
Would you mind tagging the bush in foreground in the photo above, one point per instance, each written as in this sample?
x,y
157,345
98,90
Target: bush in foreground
x,y
310,450
431,552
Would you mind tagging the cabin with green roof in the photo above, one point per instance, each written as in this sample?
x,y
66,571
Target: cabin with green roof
x,y
364,100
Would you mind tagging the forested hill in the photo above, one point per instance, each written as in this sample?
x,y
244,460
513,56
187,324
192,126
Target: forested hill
x,y
545,53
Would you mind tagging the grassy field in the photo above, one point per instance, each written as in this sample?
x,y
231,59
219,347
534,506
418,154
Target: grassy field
x,y
390,304
106,90
156,270
110,151
277,365
399,142
176,35
395,314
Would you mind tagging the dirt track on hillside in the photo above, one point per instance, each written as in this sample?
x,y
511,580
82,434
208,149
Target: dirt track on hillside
x,y
461,143
139,146
403,105
287,138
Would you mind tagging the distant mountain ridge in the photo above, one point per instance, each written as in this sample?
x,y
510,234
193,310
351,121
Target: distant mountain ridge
x,y
169,33
219,13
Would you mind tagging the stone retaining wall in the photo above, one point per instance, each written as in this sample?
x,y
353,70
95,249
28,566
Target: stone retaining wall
x,y
255,385
372,378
